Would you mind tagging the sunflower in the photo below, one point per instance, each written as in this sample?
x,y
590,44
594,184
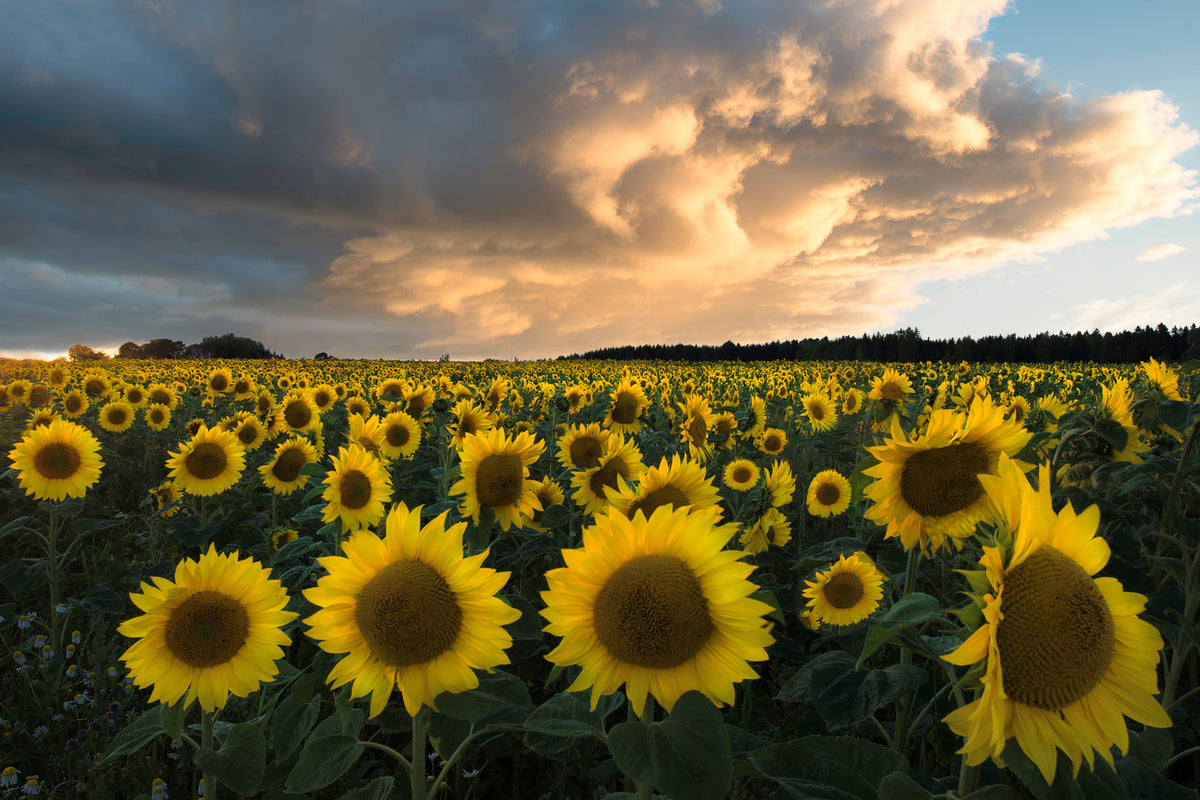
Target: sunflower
x,y
772,441
629,404
891,386
297,412
1018,408
470,420
741,475
820,410
215,630
578,396
756,419
582,446
19,391
251,433
117,416
57,461
401,435
95,384
59,376
282,474
367,433
548,493
323,397
657,605
677,483
925,489
1162,379
358,405
409,611
418,399
74,404
208,464
828,494
356,489
848,591
623,460
244,388
40,418
780,484
495,474
164,495
724,425
264,403
136,396
1066,656
772,528
220,381
693,430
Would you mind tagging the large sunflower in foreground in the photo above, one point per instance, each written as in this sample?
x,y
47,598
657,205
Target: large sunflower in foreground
x,y
410,611
1066,656
209,464
356,489
656,605
846,592
495,474
926,490
215,629
57,461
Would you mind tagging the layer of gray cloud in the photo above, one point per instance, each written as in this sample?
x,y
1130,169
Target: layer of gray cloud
x,y
530,178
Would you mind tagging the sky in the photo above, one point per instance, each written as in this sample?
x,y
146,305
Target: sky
x,y
530,178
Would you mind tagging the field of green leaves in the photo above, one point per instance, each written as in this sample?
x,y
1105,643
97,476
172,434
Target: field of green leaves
x,y
583,579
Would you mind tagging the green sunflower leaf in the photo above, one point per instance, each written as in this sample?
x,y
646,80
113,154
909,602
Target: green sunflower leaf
x,y
240,762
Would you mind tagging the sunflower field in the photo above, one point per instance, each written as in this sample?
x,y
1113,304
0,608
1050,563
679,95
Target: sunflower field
x,y
583,579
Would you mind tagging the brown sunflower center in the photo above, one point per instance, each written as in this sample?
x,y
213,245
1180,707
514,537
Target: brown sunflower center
x,y
134,396
772,443
242,386
724,428
585,452
247,434
355,489
73,403
116,416
625,408
892,390
57,461
697,430
828,494
323,399
219,383
742,474
652,612
157,416
408,614
160,396
94,386
207,460
416,406
297,414
263,404
844,590
467,426
288,465
1056,635
607,476
207,629
397,435
816,411
662,496
499,480
942,480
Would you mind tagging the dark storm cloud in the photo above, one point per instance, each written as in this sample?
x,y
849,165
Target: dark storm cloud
x,y
402,178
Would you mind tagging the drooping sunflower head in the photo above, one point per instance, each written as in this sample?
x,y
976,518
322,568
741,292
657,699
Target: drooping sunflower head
x,y
657,605
215,630
495,471
57,461
828,494
1162,379
356,489
780,484
741,474
621,462
164,495
697,418
724,426
410,612
582,446
756,418
1066,656
771,529
548,493
847,592
367,433
208,464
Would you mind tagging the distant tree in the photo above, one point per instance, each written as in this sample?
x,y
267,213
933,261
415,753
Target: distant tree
x,y
322,356
81,352
230,346
162,348
129,350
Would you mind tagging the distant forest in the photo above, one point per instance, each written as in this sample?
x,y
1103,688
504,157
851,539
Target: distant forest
x,y
225,346
907,345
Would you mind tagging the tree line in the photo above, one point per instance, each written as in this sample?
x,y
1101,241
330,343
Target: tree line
x,y
1174,344
224,346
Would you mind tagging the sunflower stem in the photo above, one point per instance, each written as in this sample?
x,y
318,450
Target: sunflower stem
x,y
52,577
1191,591
207,721
417,773
904,704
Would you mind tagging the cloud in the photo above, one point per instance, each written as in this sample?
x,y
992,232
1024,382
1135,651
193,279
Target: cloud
x,y
1161,251
542,177
1174,305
